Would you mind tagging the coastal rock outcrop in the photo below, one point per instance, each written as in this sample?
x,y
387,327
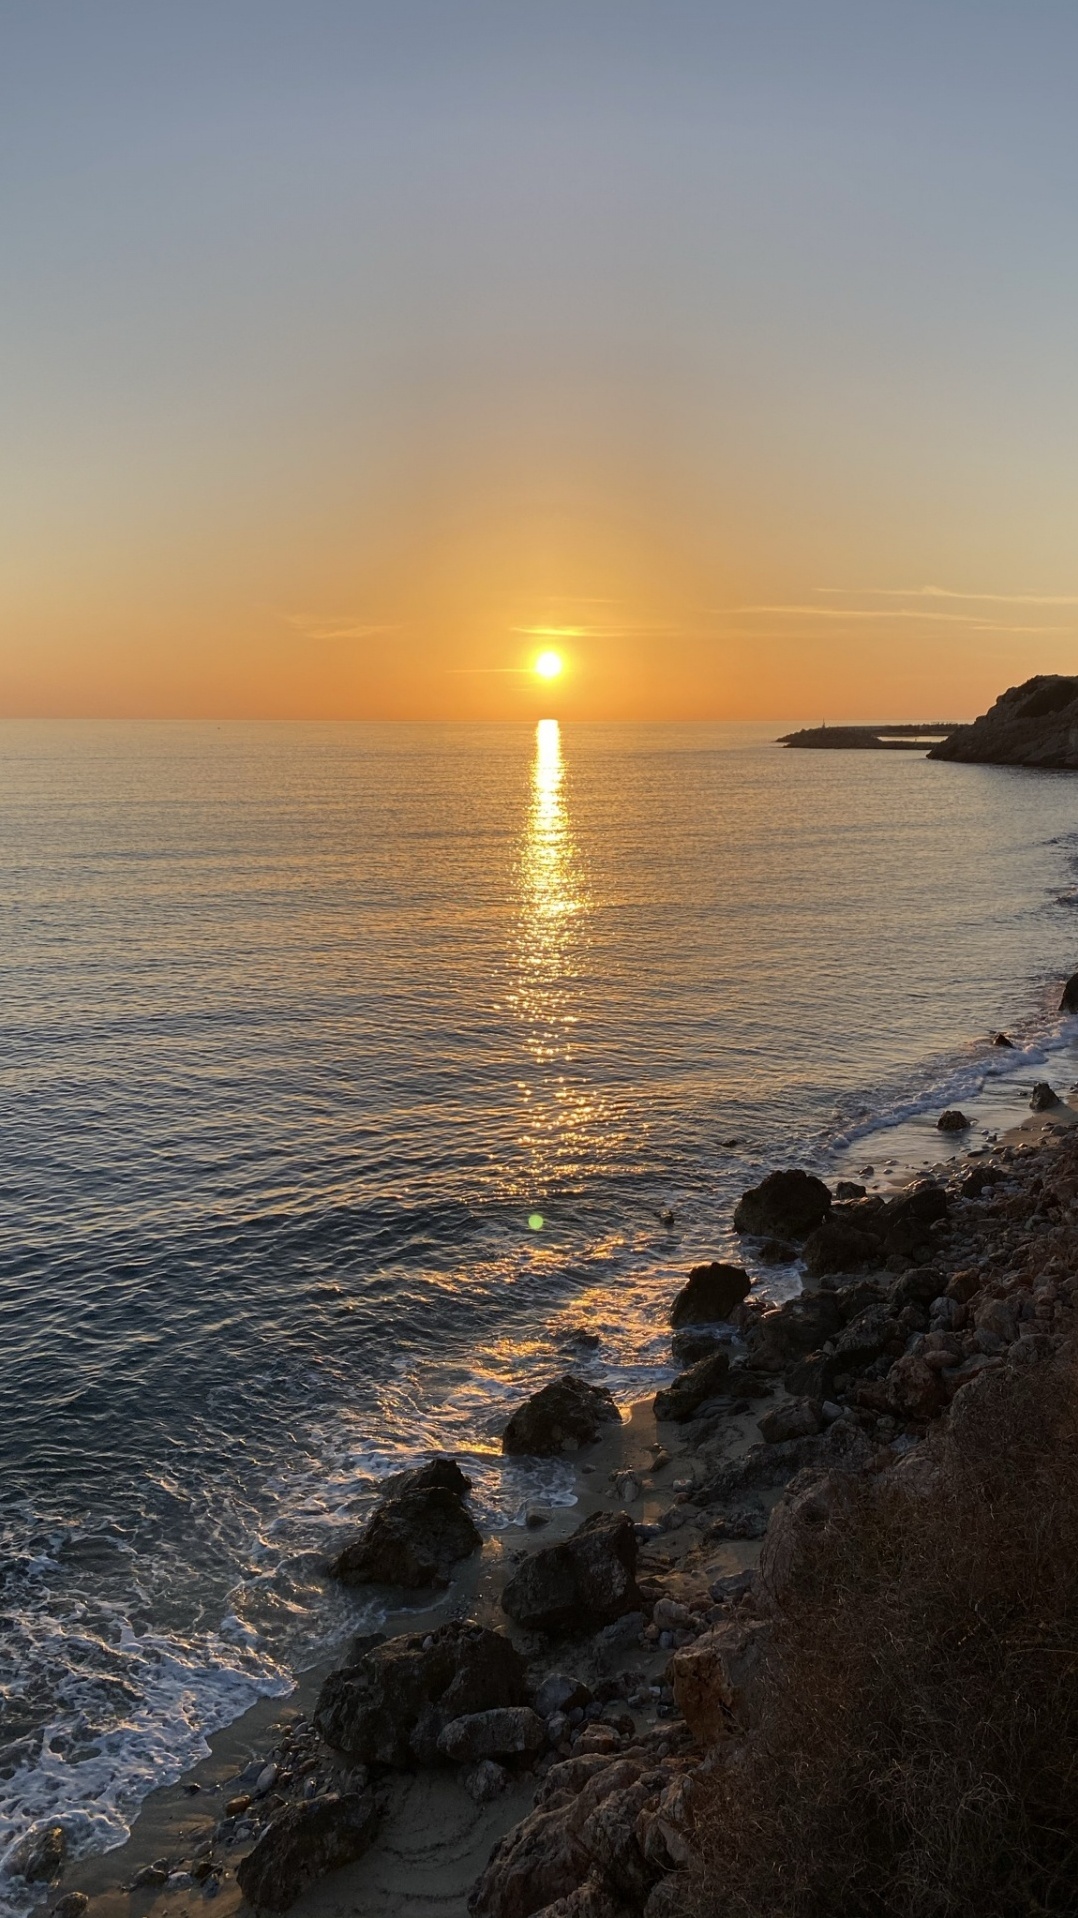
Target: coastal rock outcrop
x,y
392,1707
713,1679
587,1580
691,1389
414,1538
1034,724
562,1417
786,1205
304,1842
710,1294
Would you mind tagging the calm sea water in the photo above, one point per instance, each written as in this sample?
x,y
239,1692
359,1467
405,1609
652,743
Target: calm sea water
x,y
346,1068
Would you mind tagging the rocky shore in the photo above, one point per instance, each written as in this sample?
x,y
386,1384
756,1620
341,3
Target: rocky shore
x,y
1035,724
547,1747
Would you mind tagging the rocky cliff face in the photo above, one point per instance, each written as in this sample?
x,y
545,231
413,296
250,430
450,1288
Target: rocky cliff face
x,y
1035,724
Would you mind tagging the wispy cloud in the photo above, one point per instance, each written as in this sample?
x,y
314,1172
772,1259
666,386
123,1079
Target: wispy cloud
x,y
311,626
969,620
948,592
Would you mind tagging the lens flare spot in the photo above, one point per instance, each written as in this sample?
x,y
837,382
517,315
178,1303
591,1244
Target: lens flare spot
x,y
535,1221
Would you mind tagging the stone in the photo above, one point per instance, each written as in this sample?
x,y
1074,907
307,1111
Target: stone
x,y
907,1220
914,1389
71,1905
864,1338
786,1204
849,1189
560,1693
563,1416
1042,1098
953,1121
485,1781
711,1293
792,1330
696,1342
1001,1039
690,1389
587,1580
413,1540
303,1843
391,1708
811,1502
798,1418
715,1679
1034,724
39,1857
838,1247
1069,1001
503,1733
537,1862
776,1252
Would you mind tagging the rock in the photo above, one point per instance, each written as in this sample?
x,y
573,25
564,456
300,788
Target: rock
x,y
150,1875
849,1189
562,1417
538,1861
907,1220
265,1781
777,1252
560,1693
1034,724
785,1204
587,1580
798,1523
690,1389
1001,1039
485,1781
303,1843
814,1377
979,1180
715,1678
503,1733
610,1644
711,1294
798,1418
865,1338
71,1905
1069,1001
915,1391
837,1247
39,1856
392,1707
413,1540
800,1326
953,1121
1042,1098
697,1342
609,1837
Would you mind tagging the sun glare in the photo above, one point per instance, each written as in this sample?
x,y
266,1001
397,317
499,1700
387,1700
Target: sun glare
x,y
548,665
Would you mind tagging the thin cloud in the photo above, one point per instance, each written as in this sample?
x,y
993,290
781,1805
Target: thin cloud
x,y
969,620
311,627
947,592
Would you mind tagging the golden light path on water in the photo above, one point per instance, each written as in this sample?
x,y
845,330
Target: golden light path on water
x,y
551,943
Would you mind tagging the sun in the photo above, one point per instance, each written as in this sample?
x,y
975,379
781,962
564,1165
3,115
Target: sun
x,y
548,665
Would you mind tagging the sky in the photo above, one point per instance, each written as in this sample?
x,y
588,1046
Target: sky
x,y
353,352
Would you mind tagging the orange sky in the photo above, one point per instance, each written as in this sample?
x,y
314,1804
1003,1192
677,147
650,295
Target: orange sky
x,y
350,355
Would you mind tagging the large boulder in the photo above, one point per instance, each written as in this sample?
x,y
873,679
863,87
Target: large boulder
x,y
703,1381
799,1326
392,1707
908,1220
504,1733
537,1862
716,1677
711,1294
786,1204
813,1502
587,1580
838,1247
562,1417
414,1538
304,1842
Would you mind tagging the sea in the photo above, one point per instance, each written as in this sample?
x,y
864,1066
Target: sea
x,y
348,1071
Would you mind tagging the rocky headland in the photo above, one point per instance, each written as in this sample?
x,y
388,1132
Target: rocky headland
x,y
1035,724
599,1725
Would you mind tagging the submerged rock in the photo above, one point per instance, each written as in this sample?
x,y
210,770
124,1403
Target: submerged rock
x,y
562,1417
587,1580
787,1204
953,1121
40,1855
304,1842
711,1293
1043,1098
392,1707
414,1538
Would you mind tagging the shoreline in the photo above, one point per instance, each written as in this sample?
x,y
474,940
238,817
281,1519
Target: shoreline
x,y
434,1841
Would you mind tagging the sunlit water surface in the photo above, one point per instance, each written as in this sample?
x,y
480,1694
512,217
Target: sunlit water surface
x,y
347,1068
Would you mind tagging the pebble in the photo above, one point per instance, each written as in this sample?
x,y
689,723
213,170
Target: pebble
x,y
237,1805
178,1881
266,1780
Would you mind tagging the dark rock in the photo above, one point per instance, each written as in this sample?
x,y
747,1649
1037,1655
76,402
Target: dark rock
x,y
560,1693
849,1189
690,1389
537,1862
814,1377
837,1247
798,1418
391,1708
587,1580
696,1342
1042,1098
413,1540
919,1286
776,1252
711,1294
305,1841
562,1417
485,1781
953,1121
800,1326
864,1338
1001,1039
907,1220
1069,1001
39,1856
980,1179
72,1905
1034,724
507,1732
785,1204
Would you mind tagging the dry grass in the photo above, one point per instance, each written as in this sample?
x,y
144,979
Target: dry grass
x,y
916,1754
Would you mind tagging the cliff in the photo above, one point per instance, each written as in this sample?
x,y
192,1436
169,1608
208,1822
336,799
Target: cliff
x,y
1035,724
